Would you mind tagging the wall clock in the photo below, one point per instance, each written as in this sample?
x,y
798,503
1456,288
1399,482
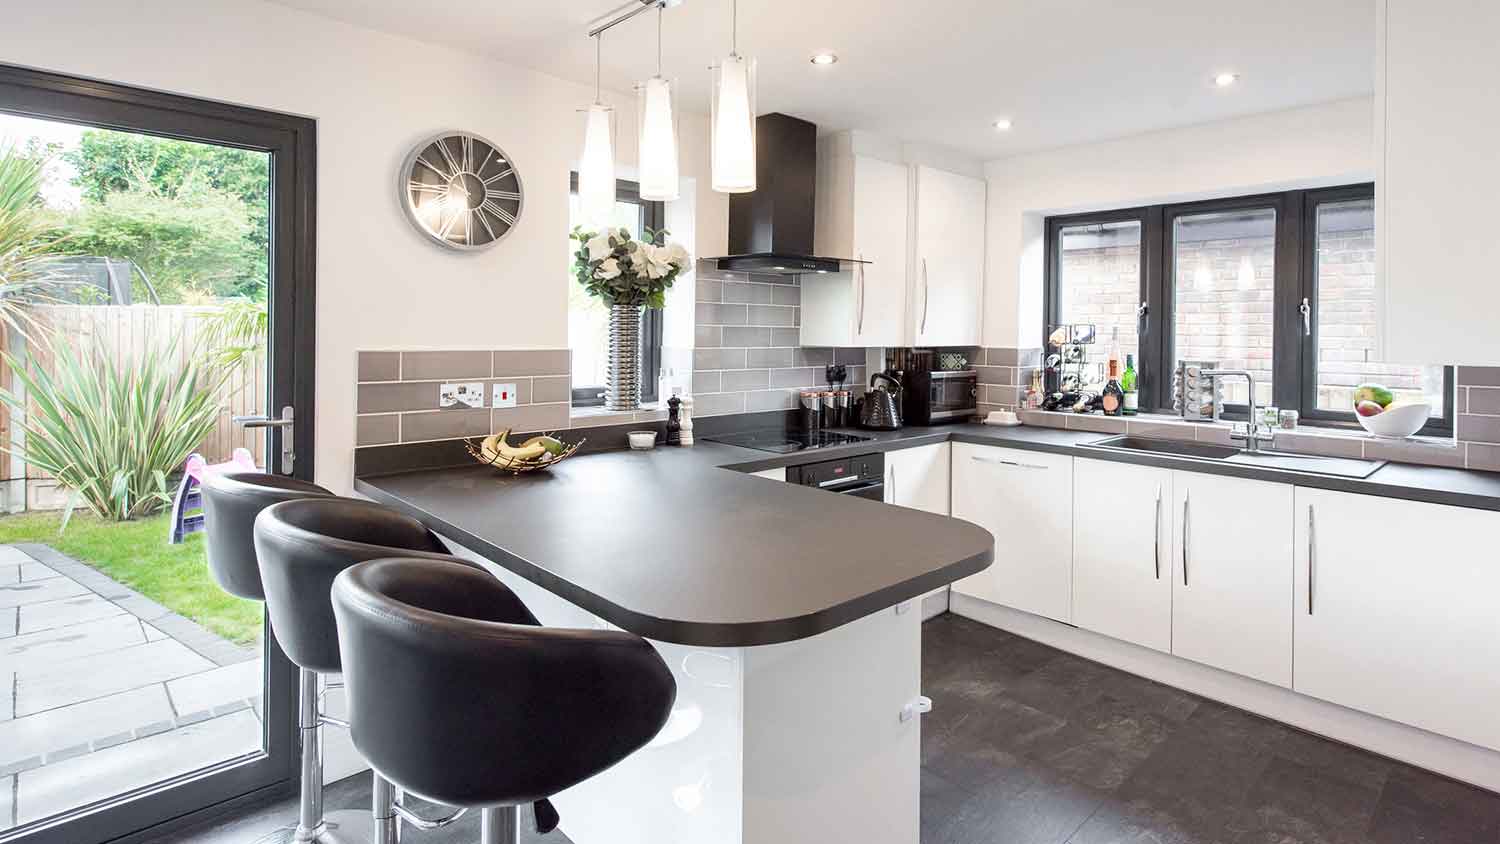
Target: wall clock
x,y
461,190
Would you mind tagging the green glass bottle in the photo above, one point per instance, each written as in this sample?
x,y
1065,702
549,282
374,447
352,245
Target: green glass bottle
x,y
1127,383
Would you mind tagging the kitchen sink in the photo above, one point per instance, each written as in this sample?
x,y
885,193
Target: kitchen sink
x,y
1342,467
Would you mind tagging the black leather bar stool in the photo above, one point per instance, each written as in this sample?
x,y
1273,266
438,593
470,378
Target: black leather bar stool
x,y
458,696
302,545
230,504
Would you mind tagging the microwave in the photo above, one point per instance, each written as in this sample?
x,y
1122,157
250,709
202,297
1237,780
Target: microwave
x,y
941,396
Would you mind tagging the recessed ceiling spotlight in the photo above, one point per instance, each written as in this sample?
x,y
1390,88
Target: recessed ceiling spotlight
x,y
1224,80
824,58
1003,124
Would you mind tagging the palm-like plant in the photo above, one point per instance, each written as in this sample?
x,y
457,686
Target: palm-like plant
x,y
112,428
26,238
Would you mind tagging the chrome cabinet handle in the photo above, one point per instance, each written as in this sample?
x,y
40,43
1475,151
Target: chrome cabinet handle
x,y
1156,532
1185,534
893,484
1311,558
999,461
860,320
1306,310
926,297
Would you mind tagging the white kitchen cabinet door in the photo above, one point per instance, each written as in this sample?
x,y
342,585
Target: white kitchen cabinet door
x,y
1397,611
1232,575
1122,550
866,305
949,263
777,474
919,478
1437,128
1025,498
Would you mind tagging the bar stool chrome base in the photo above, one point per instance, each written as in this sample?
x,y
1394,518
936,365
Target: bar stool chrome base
x,y
313,825
342,827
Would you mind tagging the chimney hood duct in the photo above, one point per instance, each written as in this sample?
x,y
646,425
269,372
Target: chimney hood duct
x,y
771,228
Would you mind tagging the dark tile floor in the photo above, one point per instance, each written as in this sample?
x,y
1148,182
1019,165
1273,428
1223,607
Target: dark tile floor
x,y
1029,745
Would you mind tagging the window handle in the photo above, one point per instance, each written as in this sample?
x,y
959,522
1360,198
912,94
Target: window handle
x,y
1306,310
1142,310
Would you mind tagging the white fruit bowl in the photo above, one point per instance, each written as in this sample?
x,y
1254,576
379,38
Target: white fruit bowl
x,y
1398,421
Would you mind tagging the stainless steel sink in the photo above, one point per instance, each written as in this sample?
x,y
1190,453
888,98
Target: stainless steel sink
x,y
1342,467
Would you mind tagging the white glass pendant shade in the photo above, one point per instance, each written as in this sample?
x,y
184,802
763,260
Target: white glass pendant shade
x,y
657,118
733,125
596,168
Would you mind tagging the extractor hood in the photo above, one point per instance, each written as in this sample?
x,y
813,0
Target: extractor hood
x,y
771,227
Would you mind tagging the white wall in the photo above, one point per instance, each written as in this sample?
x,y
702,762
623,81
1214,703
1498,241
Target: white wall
x,y
1314,146
380,285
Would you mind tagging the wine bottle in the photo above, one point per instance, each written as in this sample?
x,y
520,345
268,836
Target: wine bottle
x,y
1112,400
1127,383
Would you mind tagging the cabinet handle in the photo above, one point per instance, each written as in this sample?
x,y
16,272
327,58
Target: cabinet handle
x,y
1311,559
926,297
1156,532
997,460
860,275
1185,534
893,484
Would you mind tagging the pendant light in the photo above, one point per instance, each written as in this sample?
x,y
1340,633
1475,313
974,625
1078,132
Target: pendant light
x,y
656,115
596,166
732,122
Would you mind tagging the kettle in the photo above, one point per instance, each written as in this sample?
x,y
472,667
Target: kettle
x,y
881,409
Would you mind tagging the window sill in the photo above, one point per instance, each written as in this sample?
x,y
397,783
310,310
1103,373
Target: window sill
x,y
592,417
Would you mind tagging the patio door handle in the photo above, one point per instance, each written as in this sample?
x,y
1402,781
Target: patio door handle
x,y
288,457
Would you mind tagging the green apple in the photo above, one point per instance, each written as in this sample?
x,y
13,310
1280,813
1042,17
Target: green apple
x,y
1373,393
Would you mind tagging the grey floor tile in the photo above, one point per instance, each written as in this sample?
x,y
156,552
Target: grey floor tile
x,y
90,677
1293,802
45,791
36,592
1025,805
51,614
39,650
1417,807
49,731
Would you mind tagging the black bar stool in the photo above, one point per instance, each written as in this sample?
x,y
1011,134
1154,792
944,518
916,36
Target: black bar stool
x,y
231,503
458,696
302,545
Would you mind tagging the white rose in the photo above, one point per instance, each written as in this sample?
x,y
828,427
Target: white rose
x,y
654,261
677,254
607,270
598,246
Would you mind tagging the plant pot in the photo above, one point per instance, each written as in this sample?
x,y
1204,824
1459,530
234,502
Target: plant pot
x,y
622,388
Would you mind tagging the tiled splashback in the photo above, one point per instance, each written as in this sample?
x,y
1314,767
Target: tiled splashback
x,y
747,356
1003,372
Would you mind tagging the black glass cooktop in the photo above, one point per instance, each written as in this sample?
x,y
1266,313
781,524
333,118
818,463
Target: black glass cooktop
x,y
783,441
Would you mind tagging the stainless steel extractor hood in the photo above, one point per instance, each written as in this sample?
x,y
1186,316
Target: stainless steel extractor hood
x,y
771,228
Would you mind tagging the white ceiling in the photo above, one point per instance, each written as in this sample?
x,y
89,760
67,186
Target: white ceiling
x,y
941,71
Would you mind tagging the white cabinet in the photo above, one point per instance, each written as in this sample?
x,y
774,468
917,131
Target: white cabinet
x,y
919,478
1397,611
862,213
1437,128
777,474
1122,551
1232,575
1025,498
949,265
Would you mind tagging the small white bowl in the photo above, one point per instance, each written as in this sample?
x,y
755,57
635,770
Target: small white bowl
x,y
642,440
1397,422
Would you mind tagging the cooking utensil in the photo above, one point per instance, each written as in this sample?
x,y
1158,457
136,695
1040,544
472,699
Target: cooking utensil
x,y
881,410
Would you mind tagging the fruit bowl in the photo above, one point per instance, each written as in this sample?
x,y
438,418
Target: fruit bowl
x,y
1397,421
539,452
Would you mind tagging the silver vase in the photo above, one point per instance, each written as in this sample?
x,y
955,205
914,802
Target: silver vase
x,y
622,389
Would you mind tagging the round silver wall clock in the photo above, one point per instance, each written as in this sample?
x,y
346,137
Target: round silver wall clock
x,y
461,190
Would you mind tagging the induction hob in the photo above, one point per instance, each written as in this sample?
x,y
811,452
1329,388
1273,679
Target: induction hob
x,y
783,441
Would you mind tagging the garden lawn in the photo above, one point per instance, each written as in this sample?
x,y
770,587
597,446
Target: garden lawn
x,y
137,554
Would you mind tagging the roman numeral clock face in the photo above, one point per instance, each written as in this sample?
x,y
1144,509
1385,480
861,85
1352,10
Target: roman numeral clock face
x,y
461,190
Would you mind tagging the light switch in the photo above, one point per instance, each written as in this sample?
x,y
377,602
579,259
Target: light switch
x,y
505,395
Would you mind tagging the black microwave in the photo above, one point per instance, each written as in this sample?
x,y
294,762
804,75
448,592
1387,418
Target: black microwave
x,y
933,397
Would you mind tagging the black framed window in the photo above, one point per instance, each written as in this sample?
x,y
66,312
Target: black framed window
x,y
588,317
1282,285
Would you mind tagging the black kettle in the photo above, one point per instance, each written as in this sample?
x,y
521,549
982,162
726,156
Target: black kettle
x,y
881,409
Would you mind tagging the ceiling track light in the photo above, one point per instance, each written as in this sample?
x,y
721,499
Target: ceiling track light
x,y
732,117
656,117
596,164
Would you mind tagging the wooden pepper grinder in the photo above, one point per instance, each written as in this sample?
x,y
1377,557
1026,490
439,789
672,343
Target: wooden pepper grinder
x,y
674,423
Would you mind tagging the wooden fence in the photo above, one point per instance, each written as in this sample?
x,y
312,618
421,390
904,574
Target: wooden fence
x,y
129,331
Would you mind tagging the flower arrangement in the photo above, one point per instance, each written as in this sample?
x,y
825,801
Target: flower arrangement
x,y
613,266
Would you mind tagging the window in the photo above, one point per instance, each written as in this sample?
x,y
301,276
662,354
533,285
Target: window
x,y
1281,285
588,318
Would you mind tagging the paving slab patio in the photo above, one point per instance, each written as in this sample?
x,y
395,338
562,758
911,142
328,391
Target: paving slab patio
x,y
36,736
36,651
50,614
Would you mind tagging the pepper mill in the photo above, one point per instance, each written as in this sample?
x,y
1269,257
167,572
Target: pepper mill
x,y
674,423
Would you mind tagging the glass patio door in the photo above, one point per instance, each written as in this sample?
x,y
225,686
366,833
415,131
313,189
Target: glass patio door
x,y
155,283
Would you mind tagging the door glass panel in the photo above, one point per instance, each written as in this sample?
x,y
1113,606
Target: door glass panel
x,y
1348,316
1224,278
134,313
1099,282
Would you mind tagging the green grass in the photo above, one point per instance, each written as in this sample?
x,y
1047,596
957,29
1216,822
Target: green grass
x,y
137,554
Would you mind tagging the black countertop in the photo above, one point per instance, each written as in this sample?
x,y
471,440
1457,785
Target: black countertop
x,y
669,545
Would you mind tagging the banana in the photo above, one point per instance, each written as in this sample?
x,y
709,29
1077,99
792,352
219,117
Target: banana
x,y
528,452
488,449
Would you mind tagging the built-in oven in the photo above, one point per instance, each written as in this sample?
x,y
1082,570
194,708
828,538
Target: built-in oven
x,y
863,475
933,397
